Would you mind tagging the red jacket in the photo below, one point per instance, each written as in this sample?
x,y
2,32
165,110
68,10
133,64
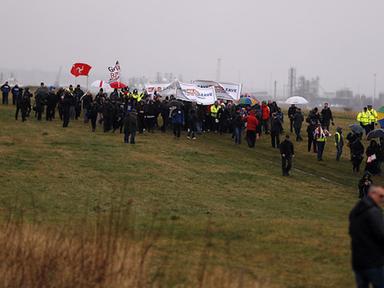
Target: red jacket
x,y
252,122
266,112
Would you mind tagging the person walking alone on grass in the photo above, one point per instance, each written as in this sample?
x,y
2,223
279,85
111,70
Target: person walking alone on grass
x,y
366,229
339,142
252,124
287,153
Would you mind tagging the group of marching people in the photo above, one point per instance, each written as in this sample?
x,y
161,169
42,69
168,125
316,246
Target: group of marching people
x,y
132,112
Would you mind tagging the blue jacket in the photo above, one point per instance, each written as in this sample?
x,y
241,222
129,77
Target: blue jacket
x,y
5,89
177,116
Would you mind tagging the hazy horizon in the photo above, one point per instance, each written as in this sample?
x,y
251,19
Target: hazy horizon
x,y
257,40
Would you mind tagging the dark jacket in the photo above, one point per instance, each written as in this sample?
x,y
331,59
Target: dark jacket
x,y
326,115
130,122
366,228
286,148
291,111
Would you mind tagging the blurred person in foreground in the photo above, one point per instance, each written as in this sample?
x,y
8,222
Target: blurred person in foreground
x,y
366,228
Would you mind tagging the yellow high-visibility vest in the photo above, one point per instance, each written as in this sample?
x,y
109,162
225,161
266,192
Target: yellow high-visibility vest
x,y
338,136
214,111
372,116
364,118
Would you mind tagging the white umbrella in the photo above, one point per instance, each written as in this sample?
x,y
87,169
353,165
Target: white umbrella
x,y
101,84
297,100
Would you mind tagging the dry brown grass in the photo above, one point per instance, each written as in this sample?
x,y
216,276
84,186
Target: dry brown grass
x,y
107,253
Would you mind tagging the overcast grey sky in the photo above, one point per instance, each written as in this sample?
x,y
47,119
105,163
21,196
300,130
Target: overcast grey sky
x,y
339,40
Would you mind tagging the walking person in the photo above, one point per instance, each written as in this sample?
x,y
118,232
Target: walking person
x,y
192,122
339,142
357,152
326,117
298,120
372,153
366,229
5,89
130,127
177,121
252,124
313,120
291,115
320,136
364,119
276,130
15,94
238,125
287,153
364,185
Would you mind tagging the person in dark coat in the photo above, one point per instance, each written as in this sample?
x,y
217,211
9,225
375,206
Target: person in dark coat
x,y
5,89
298,119
177,121
287,153
372,153
41,96
366,229
51,104
130,127
276,130
92,112
238,125
15,94
67,100
313,120
18,97
364,183
192,122
25,104
291,115
86,102
357,151
326,117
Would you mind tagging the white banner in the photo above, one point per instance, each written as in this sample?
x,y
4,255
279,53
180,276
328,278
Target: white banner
x,y
157,87
114,72
202,96
224,91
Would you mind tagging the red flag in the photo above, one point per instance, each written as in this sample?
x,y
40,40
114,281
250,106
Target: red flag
x,y
80,69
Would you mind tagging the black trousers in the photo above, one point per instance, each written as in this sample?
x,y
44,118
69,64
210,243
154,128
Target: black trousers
x,y
18,108
275,139
177,129
66,116
93,123
5,98
311,141
286,164
251,138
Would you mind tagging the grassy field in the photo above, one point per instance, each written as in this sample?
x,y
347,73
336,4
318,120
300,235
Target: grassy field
x,y
284,232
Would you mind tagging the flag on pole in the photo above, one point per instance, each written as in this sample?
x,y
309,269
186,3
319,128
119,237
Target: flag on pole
x,y
80,69
114,72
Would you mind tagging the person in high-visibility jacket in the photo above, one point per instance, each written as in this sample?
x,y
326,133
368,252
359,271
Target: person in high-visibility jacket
x,y
364,118
136,95
215,109
339,142
372,117
320,136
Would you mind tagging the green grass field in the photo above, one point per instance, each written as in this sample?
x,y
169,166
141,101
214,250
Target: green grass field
x,y
288,232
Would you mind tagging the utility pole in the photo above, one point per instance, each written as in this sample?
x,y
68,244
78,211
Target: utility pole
x,y
275,90
374,89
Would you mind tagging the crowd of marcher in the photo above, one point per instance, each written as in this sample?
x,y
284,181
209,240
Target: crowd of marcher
x,y
132,112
